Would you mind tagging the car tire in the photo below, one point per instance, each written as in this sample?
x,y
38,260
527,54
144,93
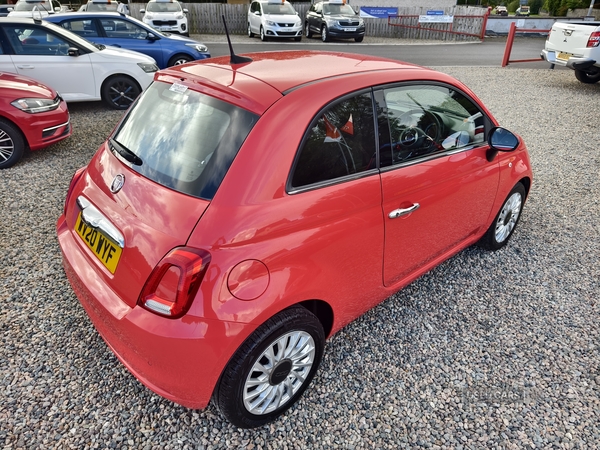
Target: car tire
x,y
263,36
324,34
179,59
250,33
120,91
307,31
12,144
251,391
358,39
506,220
586,77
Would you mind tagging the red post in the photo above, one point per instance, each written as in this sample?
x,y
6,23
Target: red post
x,y
485,19
509,44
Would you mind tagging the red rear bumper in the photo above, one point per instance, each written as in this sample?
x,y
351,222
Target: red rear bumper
x,y
180,359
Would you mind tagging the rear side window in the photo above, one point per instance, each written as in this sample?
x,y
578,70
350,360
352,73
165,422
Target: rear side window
x,y
340,143
185,140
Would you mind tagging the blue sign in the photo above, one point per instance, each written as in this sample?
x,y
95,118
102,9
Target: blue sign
x,y
435,12
377,13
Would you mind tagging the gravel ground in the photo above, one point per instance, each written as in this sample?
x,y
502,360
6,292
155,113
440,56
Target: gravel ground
x,y
489,350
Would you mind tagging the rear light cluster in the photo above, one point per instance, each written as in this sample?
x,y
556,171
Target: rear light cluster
x,y
174,282
594,39
72,184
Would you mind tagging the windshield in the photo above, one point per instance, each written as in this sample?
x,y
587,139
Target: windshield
x,y
161,7
185,140
28,6
278,8
345,10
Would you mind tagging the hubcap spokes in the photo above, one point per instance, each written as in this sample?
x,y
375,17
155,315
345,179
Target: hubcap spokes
x,y
508,217
297,349
7,146
121,94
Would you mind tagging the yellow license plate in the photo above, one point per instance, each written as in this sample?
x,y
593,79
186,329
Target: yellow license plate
x,y
563,56
105,249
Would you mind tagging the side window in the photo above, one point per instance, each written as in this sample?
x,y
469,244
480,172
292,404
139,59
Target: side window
x,y
424,120
340,142
84,28
122,29
36,41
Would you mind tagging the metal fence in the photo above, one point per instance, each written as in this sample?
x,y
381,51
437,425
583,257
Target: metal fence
x,y
205,18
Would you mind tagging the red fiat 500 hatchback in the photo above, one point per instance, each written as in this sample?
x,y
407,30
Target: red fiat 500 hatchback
x,y
241,213
32,115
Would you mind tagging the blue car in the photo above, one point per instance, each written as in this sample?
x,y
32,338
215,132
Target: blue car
x,y
124,31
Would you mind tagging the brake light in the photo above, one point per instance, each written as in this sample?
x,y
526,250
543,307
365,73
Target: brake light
x,y
174,282
594,39
74,180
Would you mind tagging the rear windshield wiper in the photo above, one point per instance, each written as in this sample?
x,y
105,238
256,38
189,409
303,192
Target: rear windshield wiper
x,y
125,152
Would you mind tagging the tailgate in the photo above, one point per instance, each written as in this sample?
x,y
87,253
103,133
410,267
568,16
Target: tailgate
x,y
150,219
569,38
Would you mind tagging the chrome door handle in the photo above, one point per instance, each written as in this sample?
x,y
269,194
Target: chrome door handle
x,y
403,211
26,66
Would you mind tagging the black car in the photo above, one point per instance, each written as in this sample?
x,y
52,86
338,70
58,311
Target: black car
x,y
334,19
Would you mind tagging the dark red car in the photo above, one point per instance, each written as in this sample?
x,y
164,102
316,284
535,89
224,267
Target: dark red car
x,y
32,115
241,213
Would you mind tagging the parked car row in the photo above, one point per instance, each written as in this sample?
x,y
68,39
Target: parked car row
x,y
329,19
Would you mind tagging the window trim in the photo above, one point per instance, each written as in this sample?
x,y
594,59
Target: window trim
x,y
373,91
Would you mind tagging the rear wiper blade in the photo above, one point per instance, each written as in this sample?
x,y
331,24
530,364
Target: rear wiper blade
x,y
125,152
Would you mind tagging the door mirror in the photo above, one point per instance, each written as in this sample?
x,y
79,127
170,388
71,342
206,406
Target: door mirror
x,y
152,37
73,51
185,10
501,140
142,11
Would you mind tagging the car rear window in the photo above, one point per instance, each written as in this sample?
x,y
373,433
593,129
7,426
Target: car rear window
x,y
184,139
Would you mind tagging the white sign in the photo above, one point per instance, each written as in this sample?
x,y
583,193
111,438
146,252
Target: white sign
x,y
436,19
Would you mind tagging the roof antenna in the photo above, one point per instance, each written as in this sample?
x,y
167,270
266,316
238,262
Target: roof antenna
x,y
235,59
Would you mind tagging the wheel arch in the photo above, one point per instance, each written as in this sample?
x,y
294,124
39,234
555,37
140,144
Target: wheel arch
x,y
177,55
17,127
323,311
526,182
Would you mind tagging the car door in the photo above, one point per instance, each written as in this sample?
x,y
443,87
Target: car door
x,y
6,63
335,188
39,53
438,186
254,17
125,34
314,17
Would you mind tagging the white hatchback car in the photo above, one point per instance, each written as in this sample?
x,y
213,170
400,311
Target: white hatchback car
x,y
25,8
274,19
166,15
73,66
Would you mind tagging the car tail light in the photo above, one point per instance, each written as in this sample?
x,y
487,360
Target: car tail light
x,y
72,184
594,39
174,282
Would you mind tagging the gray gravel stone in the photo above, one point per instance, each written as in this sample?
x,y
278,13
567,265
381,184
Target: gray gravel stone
x,y
489,350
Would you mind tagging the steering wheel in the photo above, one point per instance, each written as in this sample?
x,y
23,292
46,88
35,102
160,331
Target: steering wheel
x,y
421,133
